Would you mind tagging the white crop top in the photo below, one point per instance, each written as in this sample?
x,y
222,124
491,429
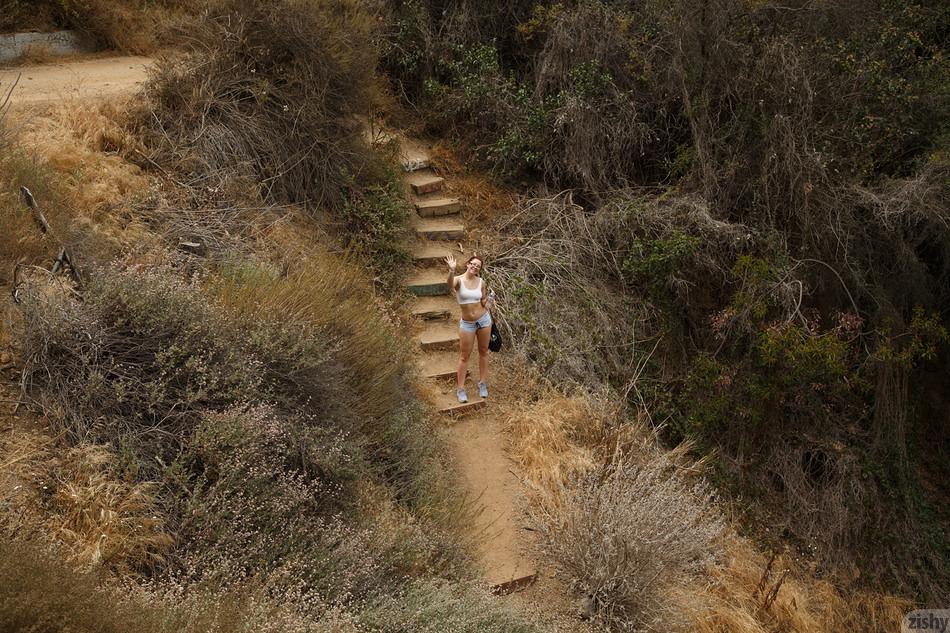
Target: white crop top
x,y
464,295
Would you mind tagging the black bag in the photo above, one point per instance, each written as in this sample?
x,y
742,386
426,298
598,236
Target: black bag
x,y
494,343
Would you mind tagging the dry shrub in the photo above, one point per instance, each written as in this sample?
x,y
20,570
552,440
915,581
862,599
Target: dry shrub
x,y
436,606
330,295
39,592
140,356
631,534
558,261
572,282
605,131
27,462
129,26
28,15
266,92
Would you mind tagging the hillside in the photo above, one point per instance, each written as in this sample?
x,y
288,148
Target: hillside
x,y
718,235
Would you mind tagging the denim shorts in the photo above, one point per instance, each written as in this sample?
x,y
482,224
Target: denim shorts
x,y
474,326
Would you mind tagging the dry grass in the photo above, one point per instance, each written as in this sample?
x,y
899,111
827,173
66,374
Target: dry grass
x,y
85,143
74,498
485,201
554,440
557,438
35,54
747,594
329,294
26,461
69,158
103,520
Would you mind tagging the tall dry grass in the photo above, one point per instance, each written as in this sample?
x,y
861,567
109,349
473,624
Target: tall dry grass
x,y
331,295
751,594
555,440
69,159
78,499
103,520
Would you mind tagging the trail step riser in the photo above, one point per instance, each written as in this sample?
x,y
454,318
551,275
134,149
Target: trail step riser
x,y
437,209
459,410
428,290
433,315
440,345
414,165
441,234
425,260
428,187
442,375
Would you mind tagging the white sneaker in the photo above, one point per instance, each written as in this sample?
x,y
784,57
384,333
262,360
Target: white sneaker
x,y
483,390
463,397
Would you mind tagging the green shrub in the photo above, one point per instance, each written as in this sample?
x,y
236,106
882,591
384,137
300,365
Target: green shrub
x,y
376,220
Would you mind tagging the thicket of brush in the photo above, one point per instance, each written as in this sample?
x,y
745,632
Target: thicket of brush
x,y
755,251
632,533
265,98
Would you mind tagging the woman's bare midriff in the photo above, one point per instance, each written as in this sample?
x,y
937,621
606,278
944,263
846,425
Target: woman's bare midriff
x,y
472,311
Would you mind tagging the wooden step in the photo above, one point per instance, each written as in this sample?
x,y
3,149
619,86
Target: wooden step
x,y
440,229
514,585
448,403
429,252
441,365
439,335
423,182
427,282
440,307
433,207
413,162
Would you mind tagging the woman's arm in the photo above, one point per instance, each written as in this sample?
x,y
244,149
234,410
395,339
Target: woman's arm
x,y
450,282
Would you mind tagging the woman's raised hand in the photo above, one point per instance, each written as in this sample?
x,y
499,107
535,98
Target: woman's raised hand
x,y
450,260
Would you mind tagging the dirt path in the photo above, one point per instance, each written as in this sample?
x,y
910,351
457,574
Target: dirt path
x,y
86,79
474,432
474,436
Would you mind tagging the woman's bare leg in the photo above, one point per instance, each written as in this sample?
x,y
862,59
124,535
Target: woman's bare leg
x,y
484,335
466,343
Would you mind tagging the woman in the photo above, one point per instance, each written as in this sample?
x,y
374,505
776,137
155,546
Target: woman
x,y
469,289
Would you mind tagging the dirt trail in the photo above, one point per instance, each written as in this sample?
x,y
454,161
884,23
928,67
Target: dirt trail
x,y
475,436
87,79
